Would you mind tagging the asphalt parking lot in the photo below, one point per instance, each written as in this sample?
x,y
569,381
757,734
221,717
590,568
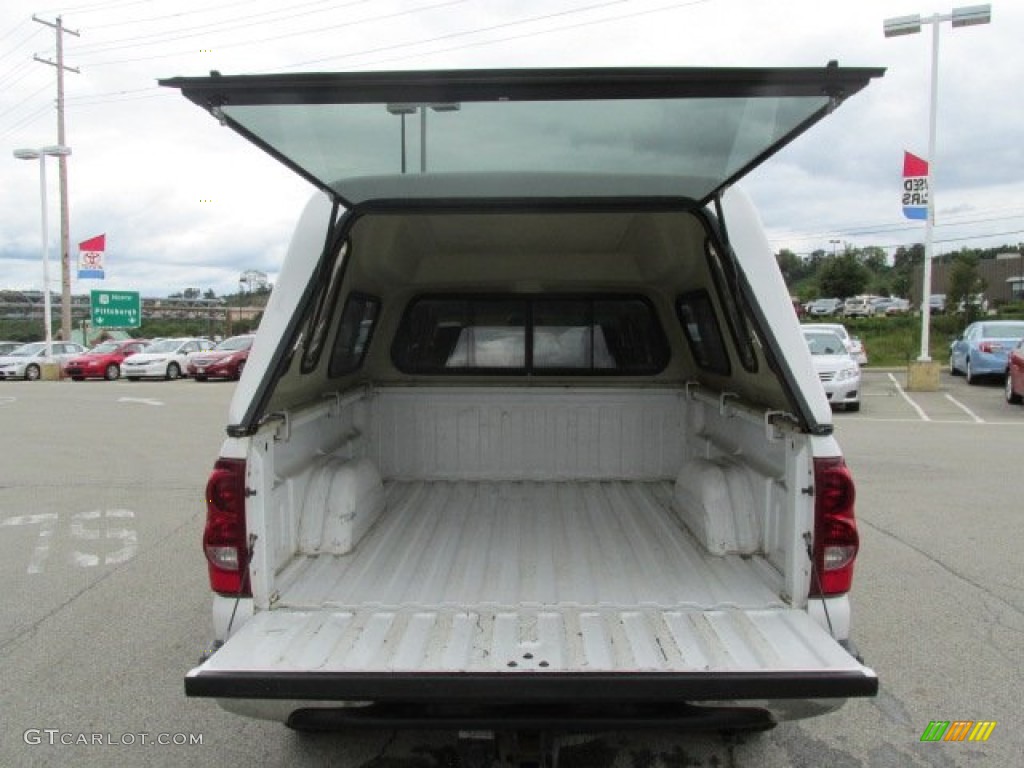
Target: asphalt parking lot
x,y
106,604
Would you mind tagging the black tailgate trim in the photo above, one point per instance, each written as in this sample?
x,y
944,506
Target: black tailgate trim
x,y
529,686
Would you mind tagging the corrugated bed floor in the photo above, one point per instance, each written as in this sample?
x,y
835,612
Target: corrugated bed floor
x,y
491,545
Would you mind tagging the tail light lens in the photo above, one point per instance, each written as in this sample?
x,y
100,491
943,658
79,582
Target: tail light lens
x,y
990,347
835,528
224,539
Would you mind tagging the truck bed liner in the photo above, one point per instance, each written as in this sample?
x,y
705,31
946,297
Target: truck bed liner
x,y
606,596
459,544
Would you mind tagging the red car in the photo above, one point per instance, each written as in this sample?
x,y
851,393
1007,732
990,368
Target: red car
x,y
225,361
103,361
1015,375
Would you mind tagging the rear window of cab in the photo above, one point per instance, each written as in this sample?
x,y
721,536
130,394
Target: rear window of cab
x,y
508,334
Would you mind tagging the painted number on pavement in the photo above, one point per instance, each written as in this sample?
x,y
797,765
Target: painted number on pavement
x,y
99,536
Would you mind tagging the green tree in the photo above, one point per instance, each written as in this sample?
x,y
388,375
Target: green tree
x,y
874,258
843,276
965,283
792,266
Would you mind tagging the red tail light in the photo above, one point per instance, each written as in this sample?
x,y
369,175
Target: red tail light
x,y
989,347
835,529
224,539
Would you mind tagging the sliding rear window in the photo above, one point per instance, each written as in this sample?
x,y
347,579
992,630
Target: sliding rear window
x,y
602,335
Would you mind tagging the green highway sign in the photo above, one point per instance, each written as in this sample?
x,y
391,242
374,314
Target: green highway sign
x,y
116,309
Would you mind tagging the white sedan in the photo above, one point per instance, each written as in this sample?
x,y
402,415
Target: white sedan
x,y
854,345
166,359
836,368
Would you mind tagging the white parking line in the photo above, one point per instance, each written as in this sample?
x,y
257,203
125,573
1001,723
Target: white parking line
x,y
965,409
905,396
143,400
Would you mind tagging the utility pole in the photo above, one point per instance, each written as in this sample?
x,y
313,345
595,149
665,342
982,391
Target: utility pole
x,y
62,163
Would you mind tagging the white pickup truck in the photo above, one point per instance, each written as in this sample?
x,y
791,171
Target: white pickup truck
x,y
529,437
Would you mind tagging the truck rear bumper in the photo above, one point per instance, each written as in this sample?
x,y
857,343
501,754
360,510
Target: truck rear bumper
x,y
532,687
567,717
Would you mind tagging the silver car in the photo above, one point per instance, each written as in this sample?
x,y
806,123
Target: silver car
x,y
838,371
26,362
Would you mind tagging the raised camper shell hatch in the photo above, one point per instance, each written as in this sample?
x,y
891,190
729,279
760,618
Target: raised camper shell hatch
x,y
545,133
569,134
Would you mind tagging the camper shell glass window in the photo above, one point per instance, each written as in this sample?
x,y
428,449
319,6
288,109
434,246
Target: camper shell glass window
x,y
328,285
355,329
542,336
702,331
727,283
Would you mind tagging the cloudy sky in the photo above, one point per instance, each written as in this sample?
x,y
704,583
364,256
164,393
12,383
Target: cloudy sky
x,y
186,203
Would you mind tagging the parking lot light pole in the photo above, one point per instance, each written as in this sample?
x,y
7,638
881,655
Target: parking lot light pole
x,y
965,16
40,155
402,110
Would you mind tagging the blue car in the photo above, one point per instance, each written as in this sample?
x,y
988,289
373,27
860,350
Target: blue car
x,y
983,348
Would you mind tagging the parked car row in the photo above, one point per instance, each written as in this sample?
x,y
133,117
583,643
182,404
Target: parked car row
x,y
104,360
134,359
990,349
858,306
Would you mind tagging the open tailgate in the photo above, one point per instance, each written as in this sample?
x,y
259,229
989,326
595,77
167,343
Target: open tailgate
x,y
637,654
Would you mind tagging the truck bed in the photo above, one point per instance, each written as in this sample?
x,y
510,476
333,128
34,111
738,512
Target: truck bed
x,y
603,580
510,545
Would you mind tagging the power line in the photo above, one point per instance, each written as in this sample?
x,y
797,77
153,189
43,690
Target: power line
x,y
14,49
299,33
964,239
878,229
95,7
148,93
13,29
28,120
25,67
562,28
25,101
170,15
464,33
202,29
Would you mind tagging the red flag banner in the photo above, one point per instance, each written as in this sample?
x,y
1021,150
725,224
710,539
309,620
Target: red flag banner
x,y
90,257
915,187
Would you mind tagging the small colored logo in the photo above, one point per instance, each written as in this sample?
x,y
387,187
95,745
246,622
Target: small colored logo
x,y
958,730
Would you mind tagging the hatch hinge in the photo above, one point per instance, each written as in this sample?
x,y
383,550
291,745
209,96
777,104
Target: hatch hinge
x,y
833,89
776,422
283,432
723,404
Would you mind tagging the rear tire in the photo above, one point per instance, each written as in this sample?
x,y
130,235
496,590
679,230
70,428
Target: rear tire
x,y
972,378
853,407
32,373
1012,397
173,371
113,372
953,370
